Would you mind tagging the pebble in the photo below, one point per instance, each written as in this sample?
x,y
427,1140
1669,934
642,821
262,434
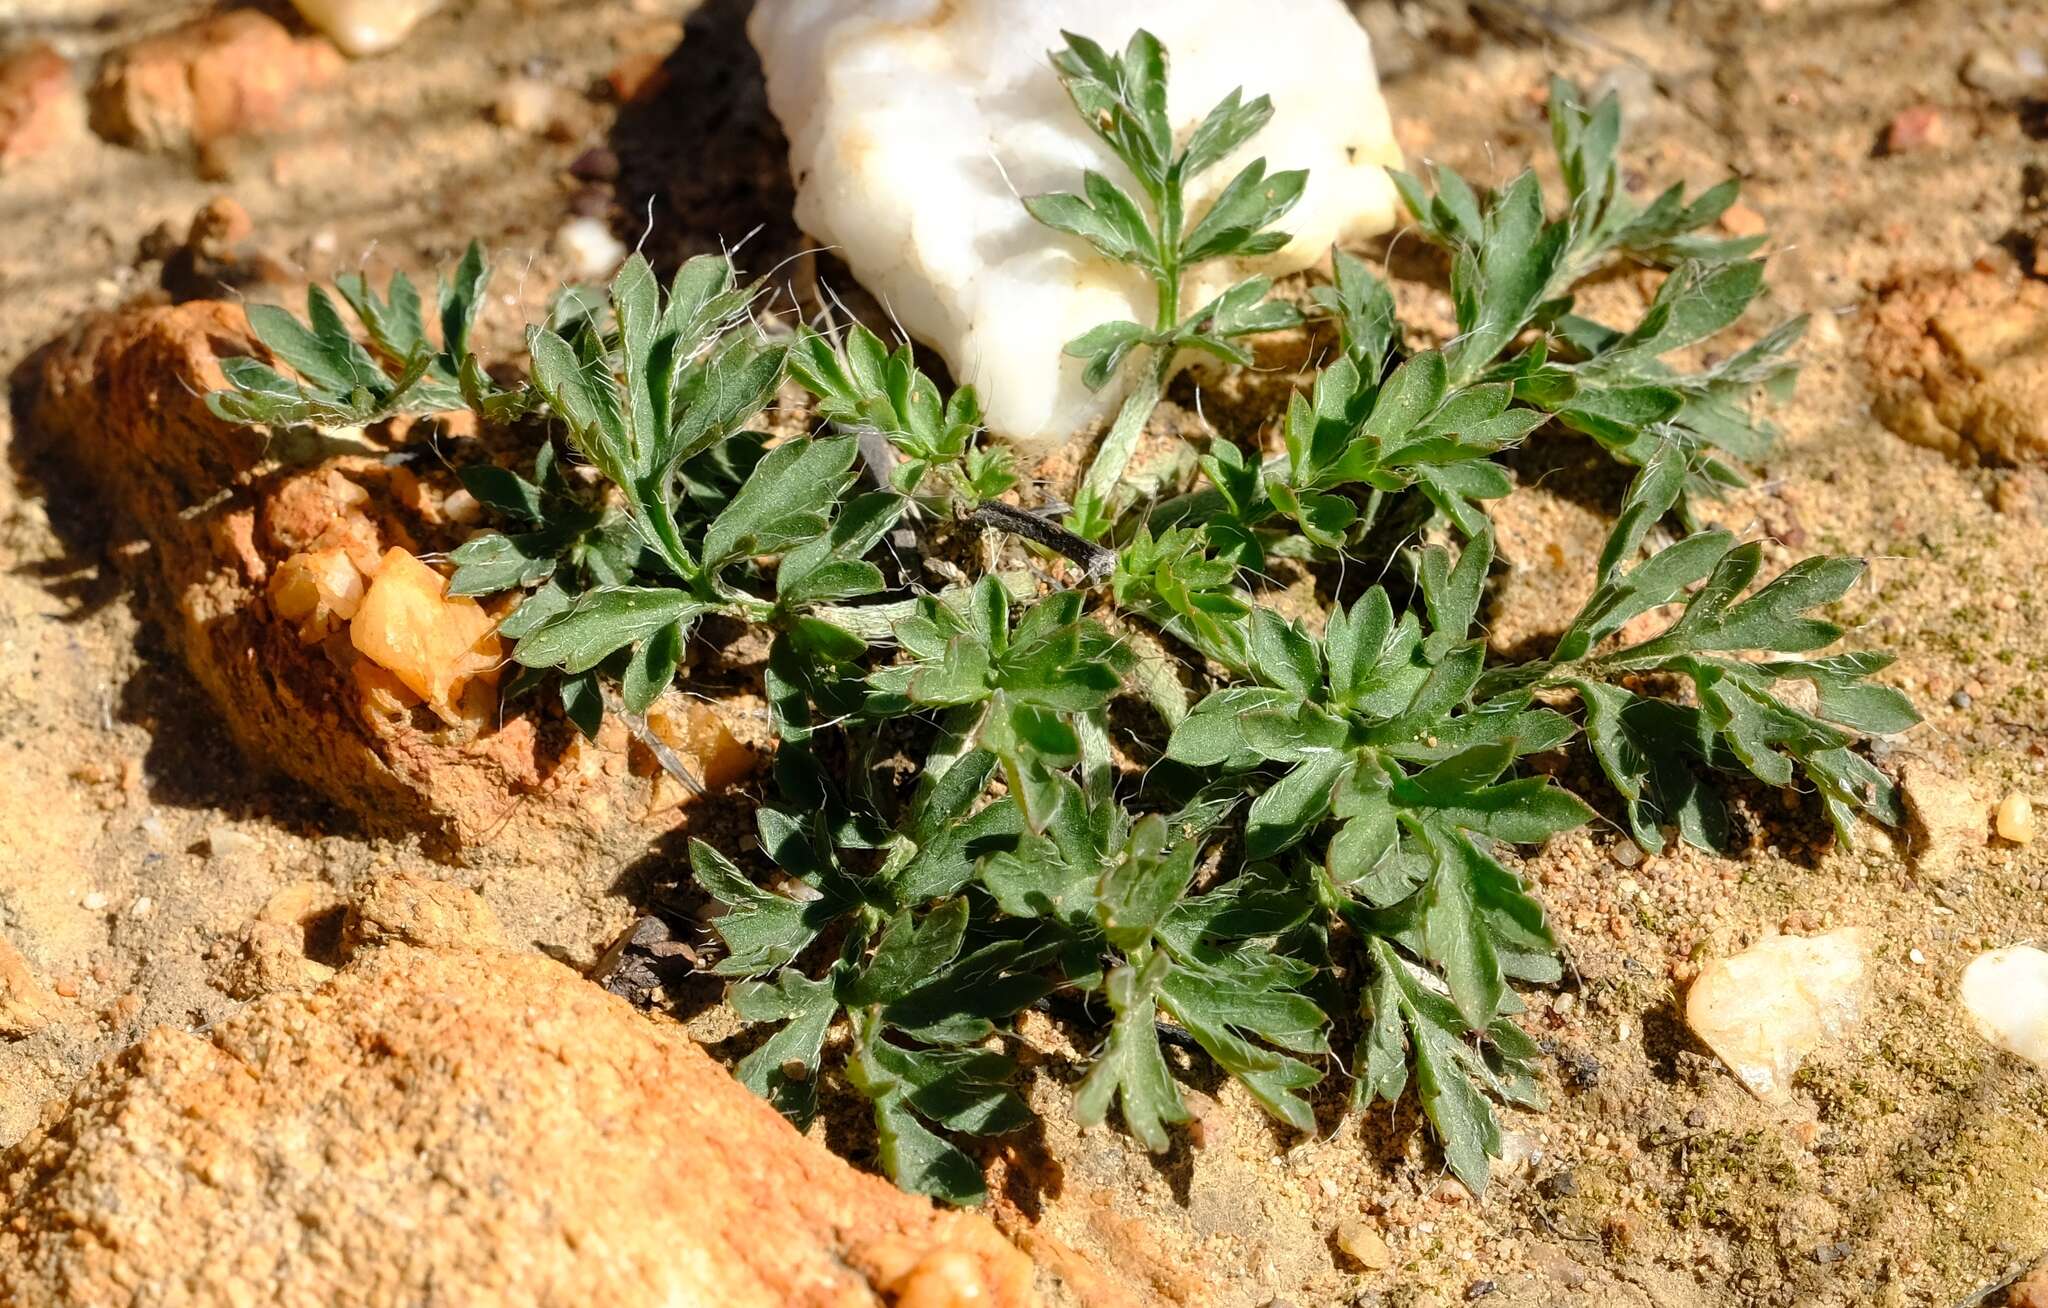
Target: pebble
x,y
2005,992
1741,220
590,247
1944,817
1918,128
365,27
1765,1009
2016,819
93,902
218,77
2004,73
526,105
1961,699
597,164
37,100
1364,1246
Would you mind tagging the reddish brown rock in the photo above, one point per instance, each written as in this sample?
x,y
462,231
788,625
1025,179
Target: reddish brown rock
x,y
1920,127
221,76
1959,361
2031,1290
463,1128
124,398
37,102
26,1007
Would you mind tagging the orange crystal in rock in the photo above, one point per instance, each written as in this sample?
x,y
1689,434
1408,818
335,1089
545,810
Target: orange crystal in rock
x,y
439,646
318,589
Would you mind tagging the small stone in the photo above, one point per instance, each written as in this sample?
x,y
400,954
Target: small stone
x,y
597,164
220,76
1559,1185
1479,1290
1765,1009
1944,817
1961,699
1998,71
229,845
1920,127
366,27
36,102
530,106
2030,1291
1520,1153
1364,1246
1741,220
2016,819
93,902
406,908
1696,1118
142,907
636,77
590,248
1916,958
25,1006
2005,993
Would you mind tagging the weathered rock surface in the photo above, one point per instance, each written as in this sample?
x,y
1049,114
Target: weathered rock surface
x,y
2005,992
1764,1010
26,1007
38,102
124,398
220,76
1945,818
459,1127
1960,362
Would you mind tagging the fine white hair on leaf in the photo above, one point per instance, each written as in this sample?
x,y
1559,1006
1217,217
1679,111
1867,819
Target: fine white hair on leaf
x,y
916,125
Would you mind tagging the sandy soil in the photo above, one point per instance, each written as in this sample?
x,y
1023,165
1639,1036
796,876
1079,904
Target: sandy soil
x,y
1911,1166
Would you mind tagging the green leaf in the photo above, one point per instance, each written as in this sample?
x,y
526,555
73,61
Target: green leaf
x,y
1131,1069
1142,886
910,950
1292,805
785,1068
783,502
762,930
603,621
652,668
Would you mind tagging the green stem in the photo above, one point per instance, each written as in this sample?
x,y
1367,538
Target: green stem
x,y
1098,488
1091,517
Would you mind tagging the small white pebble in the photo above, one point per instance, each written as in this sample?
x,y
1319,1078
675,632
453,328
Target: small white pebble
x,y
2016,819
590,247
1621,1031
1916,957
461,507
1563,1003
526,105
142,907
94,902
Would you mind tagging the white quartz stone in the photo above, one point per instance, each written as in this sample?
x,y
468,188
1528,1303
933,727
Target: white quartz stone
x,y
2006,995
366,27
1765,1009
915,126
